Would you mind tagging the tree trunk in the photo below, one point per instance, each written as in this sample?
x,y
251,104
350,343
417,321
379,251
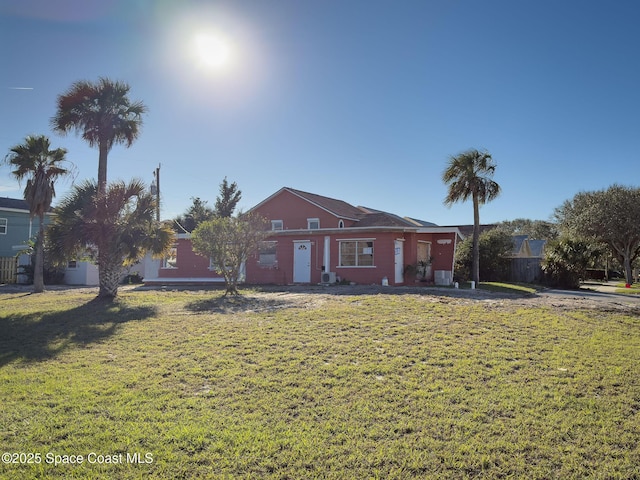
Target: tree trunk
x,y
475,252
109,271
102,167
38,268
628,271
231,281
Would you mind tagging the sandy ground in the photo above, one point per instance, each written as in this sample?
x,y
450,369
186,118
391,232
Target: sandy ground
x,y
598,297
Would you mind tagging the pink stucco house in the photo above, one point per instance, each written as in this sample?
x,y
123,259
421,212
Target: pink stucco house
x,y
316,239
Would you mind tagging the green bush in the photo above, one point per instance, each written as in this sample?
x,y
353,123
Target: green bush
x,y
495,246
566,262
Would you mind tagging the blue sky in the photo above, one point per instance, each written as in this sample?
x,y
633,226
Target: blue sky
x,y
362,100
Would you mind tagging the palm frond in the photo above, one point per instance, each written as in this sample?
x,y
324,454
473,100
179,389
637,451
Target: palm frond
x,y
469,174
100,112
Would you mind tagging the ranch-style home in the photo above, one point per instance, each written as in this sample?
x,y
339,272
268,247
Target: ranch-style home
x,y
316,239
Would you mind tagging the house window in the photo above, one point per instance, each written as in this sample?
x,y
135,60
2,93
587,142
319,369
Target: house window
x,y
72,264
424,251
313,223
340,223
214,267
171,260
276,225
356,253
3,226
267,256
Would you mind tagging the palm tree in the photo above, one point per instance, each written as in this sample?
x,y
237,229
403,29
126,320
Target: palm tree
x,y
115,229
103,114
468,175
42,167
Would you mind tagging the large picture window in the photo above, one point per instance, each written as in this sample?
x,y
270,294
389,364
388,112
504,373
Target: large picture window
x,y
356,253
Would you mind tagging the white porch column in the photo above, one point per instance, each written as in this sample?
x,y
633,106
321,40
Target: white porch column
x,y
326,258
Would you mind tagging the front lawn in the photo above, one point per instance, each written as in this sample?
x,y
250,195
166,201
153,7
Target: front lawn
x,y
185,384
634,289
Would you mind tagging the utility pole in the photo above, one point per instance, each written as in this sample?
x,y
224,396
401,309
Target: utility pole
x,y
156,174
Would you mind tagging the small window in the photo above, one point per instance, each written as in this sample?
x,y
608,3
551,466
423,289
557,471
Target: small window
x,y
171,260
72,264
424,251
276,225
340,223
267,254
3,226
313,223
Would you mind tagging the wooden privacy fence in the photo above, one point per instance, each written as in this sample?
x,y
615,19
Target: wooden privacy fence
x,y
8,267
526,270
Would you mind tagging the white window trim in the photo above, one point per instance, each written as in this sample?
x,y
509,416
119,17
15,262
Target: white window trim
x,y
429,246
310,221
6,226
163,264
372,240
276,222
274,243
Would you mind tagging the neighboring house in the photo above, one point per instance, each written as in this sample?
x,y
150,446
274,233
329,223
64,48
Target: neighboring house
x,y
16,226
79,272
16,229
526,259
316,239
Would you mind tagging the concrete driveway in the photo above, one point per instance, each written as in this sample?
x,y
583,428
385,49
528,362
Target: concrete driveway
x,y
599,292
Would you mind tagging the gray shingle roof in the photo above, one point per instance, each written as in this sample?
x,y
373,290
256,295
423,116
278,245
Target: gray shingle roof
x,y
364,217
339,208
14,203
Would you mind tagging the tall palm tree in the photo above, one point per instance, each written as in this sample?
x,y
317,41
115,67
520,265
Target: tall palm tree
x,y
468,175
103,114
41,166
116,229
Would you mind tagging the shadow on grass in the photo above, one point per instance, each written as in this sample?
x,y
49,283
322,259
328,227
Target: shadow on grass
x,y
244,303
41,336
343,290
355,290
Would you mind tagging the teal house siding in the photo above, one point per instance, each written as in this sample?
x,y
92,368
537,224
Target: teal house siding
x,y
16,228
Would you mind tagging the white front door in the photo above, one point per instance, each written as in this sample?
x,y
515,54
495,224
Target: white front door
x,y
399,260
302,261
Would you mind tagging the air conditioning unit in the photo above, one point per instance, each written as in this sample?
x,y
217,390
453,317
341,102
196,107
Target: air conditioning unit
x,y
442,277
328,277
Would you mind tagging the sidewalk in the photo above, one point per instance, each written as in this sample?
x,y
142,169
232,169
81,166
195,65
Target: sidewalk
x,y
604,287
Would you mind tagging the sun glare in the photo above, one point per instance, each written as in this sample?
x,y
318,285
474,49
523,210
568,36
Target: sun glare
x,y
212,52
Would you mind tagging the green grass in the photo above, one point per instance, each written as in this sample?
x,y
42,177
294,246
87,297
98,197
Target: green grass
x,y
518,289
514,288
382,386
633,290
